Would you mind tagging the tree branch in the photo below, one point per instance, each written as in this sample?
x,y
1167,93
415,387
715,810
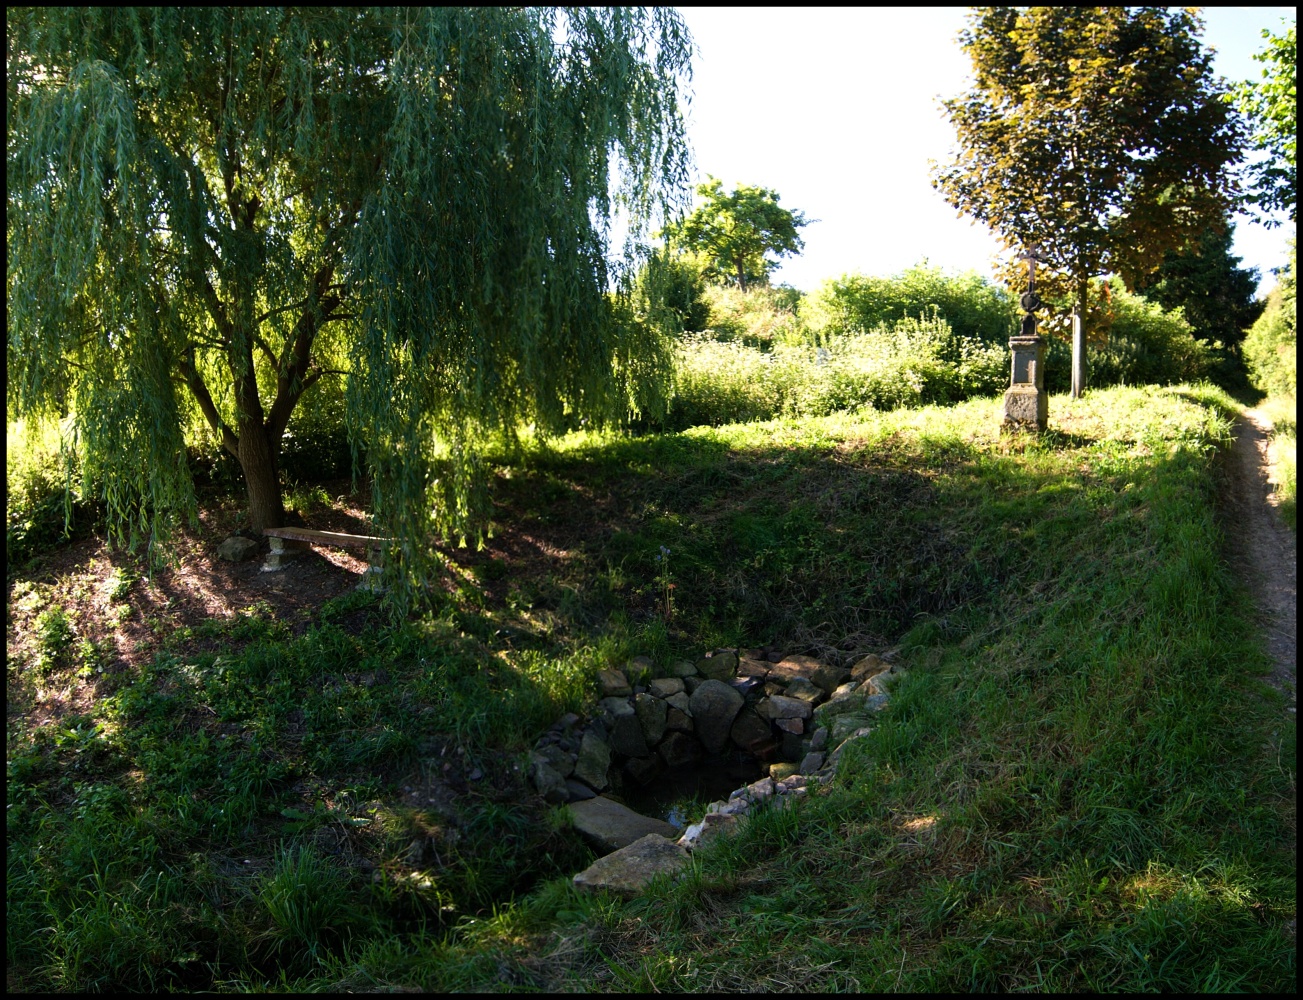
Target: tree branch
x,y
203,397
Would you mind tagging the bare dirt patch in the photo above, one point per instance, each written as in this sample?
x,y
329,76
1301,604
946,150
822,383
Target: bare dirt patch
x,y
130,612
1261,547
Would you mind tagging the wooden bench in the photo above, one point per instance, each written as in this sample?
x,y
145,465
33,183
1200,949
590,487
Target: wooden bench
x,y
287,542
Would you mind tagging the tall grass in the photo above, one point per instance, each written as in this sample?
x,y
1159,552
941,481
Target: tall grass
x,y
909,363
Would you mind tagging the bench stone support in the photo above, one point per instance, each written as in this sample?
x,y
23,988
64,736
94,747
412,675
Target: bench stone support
x,y
283,551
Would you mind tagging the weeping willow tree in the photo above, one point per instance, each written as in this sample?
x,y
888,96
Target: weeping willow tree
x,y
211,210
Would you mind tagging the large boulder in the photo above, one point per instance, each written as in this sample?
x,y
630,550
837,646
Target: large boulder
x,y
714,707
629,869
593,762
608,825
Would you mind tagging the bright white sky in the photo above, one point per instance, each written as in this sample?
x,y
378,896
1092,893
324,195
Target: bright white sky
x,y
837,110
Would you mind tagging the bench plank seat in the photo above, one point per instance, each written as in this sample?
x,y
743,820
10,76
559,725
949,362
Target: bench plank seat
x,y
337,538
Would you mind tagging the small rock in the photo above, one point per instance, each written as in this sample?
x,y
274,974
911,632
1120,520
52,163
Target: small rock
x,y
475,775
626,735
853,702
868,667
749,730
237,549
796,726
629,869
651,712
681,702
613,683
782,770
792,782
678,749
791,667
578,791
719,667
761,789
744,685
593,762
811,763
682,668
845,689
820,739
774,656
560,761
752,667
664,687
613,708
851,738
799,687
550,784
567,721
844,725
782,707
828,677
710,827
678,721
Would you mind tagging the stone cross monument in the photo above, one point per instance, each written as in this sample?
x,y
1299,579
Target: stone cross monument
x,y
1026,404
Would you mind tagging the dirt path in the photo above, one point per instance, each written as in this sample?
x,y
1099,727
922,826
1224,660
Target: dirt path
x,y
1262,548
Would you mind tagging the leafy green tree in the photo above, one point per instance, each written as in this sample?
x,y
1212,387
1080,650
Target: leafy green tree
x,y
212,209
1096,135
1271,348
1205,279
1271,106
737,233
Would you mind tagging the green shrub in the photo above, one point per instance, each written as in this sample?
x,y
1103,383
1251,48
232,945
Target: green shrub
x,y
974,308
1146,345
1271,348
910,363
40,509
761,317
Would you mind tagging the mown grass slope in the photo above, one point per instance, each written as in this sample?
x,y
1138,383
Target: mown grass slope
x,y
1080,785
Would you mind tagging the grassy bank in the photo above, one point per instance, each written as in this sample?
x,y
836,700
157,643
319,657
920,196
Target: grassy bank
x,y
1081,785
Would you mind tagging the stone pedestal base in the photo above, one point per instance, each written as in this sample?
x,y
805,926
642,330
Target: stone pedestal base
x,y
1026,408
375,566
283,551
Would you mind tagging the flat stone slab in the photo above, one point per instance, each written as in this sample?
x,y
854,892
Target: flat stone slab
x,y
628,870
609,826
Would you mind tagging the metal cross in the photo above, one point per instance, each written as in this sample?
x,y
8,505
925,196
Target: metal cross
x,y
1032,256
1029,300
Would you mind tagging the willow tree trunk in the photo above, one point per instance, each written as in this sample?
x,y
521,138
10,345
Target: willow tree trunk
x,y
1079,340
258,458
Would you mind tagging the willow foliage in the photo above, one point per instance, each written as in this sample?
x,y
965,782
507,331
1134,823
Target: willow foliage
x,y
212,209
